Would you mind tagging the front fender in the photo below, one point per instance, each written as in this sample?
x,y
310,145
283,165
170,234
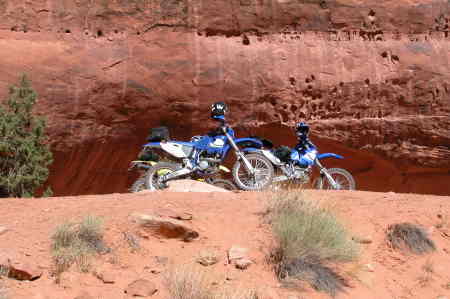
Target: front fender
x,y
329,155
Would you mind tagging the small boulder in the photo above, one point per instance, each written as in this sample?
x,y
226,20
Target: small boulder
x,y
141,288
236,253
167,227
19,268
207,258
243,264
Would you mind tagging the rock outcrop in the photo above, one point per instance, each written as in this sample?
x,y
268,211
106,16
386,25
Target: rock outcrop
x,y
372,77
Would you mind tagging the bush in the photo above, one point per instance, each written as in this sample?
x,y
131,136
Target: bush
x,y
185,282
309,237
189,282
411,237
76,243
25,156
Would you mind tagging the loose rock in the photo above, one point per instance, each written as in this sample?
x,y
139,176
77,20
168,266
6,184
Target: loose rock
x,y
243,263
207,258
141,288
362,240
236,253
19,268
167,227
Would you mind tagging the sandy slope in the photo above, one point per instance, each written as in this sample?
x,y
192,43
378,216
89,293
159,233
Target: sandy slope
x,y
222,221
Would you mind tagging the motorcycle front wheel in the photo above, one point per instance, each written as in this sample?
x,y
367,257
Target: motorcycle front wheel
x,y
342,177
262,177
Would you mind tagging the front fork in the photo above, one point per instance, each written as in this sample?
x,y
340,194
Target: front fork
x,y
239,154
323,171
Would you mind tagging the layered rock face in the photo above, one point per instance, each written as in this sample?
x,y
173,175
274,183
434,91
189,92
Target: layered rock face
x,y
371,77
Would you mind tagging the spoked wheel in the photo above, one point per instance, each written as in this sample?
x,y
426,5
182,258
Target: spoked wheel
x,y
342,177
224,184
154,175
138,185
261,179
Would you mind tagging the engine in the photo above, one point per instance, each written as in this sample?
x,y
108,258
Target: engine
x,y
302,174
209,162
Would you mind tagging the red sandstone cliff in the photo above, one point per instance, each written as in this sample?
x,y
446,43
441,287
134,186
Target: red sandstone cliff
x,y
371,76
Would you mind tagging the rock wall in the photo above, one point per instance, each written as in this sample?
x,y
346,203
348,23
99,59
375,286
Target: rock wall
x,y
372,77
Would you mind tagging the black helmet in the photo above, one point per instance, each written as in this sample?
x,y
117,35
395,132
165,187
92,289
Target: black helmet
x,y
302,129
218,110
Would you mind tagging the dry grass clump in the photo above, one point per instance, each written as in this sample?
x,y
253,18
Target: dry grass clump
x,y
411,237
309,237
75,243
190,282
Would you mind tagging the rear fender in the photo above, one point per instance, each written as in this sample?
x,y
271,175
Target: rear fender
x,y
329,155
250,150
250,142
153,145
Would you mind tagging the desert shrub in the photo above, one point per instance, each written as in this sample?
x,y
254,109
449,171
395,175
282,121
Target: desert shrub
x,y
308,238
411,237
76,243
190,282
187,282
307,231
25,155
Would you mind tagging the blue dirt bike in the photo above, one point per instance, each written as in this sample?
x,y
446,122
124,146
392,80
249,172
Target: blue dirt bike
x,y
295,165
203,155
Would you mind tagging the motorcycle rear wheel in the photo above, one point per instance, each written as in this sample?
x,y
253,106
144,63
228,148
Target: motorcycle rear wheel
x,y
138,185
341,176
162,168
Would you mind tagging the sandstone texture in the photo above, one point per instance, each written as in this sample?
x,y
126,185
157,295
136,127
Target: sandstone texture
x,y
372,77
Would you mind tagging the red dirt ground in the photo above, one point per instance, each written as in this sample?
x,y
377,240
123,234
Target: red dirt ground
x,y
223,220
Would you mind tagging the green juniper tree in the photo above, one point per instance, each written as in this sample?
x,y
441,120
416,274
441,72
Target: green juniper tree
x,y
24,153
